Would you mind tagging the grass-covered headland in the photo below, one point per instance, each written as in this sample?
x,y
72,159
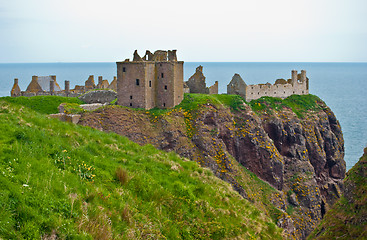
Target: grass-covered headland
x,y
74,182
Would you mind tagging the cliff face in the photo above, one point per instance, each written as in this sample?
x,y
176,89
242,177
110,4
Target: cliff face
x,y
301,157
347,219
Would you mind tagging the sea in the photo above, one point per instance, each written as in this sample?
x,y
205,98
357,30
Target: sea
x,y
343,86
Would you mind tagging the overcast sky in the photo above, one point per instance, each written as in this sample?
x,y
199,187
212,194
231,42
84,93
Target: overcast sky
x,y
201,30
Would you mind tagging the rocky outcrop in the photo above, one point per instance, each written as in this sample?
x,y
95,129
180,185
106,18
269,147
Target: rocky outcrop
x,y
98,96
300,157
347,219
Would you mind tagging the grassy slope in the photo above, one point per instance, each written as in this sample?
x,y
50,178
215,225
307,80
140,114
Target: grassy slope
x,y
42,104
347,219
76,182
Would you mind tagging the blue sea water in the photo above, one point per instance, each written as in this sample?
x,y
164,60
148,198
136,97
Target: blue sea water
x,y
341,85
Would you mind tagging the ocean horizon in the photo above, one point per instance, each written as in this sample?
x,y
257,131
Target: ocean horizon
x,y
342,85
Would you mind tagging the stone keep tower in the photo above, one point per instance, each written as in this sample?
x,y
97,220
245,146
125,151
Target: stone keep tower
x,y
156,80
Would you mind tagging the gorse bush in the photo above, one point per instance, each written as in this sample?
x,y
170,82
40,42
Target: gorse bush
x,y
59,180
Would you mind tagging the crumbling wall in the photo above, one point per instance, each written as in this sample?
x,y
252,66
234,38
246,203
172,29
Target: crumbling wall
x,y
298,84
214,88
196,82
15,90
237,86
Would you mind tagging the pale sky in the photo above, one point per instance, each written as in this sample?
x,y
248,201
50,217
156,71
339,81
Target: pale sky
x,y
201,30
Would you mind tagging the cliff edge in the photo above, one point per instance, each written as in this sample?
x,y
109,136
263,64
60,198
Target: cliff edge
x,y
296,145
347,219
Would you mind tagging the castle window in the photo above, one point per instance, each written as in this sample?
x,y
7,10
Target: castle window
x,y
293,91
164,104
131,104
137,82
252,87
131,97
258,93
160,64
165,87
303,92
162,76
265,92
275,92
284,91
124,69
150,83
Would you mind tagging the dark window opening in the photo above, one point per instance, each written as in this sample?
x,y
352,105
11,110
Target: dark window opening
x,y
123,69
162,76
164,104
258,93
150,83
131,104
303,92
137,82
293,91
160,64
275,92
131,97
165,87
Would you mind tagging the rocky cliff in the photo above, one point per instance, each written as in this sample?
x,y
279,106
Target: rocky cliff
x,y
296,145
347,219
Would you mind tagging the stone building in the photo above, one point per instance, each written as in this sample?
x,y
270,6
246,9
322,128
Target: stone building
x,y
47,85
156,80
197,84
298,84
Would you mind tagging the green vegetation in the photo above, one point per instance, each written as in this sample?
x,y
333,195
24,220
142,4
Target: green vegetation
x,y
193,101
299,104
74,182
42,104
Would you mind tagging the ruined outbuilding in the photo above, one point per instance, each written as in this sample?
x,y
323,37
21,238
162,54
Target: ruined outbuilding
x,y
298,84
47,85
155,80
197,84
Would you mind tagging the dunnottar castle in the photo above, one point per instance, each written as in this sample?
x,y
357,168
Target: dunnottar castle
x,y
156,80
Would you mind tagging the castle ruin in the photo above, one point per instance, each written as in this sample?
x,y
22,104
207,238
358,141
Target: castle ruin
x,y
155,80
47,85
197,84
298,84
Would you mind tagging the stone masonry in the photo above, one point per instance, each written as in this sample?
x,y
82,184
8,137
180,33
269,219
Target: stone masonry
x,y
47,85
282,88
155,80
197,84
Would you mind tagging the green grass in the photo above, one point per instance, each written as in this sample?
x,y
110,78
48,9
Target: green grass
x,y
79,183
299,104
42,104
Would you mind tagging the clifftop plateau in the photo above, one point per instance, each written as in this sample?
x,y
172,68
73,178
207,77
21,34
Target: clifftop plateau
x,y
296,145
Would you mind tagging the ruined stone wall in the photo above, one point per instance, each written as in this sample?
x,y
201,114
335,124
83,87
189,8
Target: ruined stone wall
x,y
275,90
237,86
196,82
178,91
214,88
